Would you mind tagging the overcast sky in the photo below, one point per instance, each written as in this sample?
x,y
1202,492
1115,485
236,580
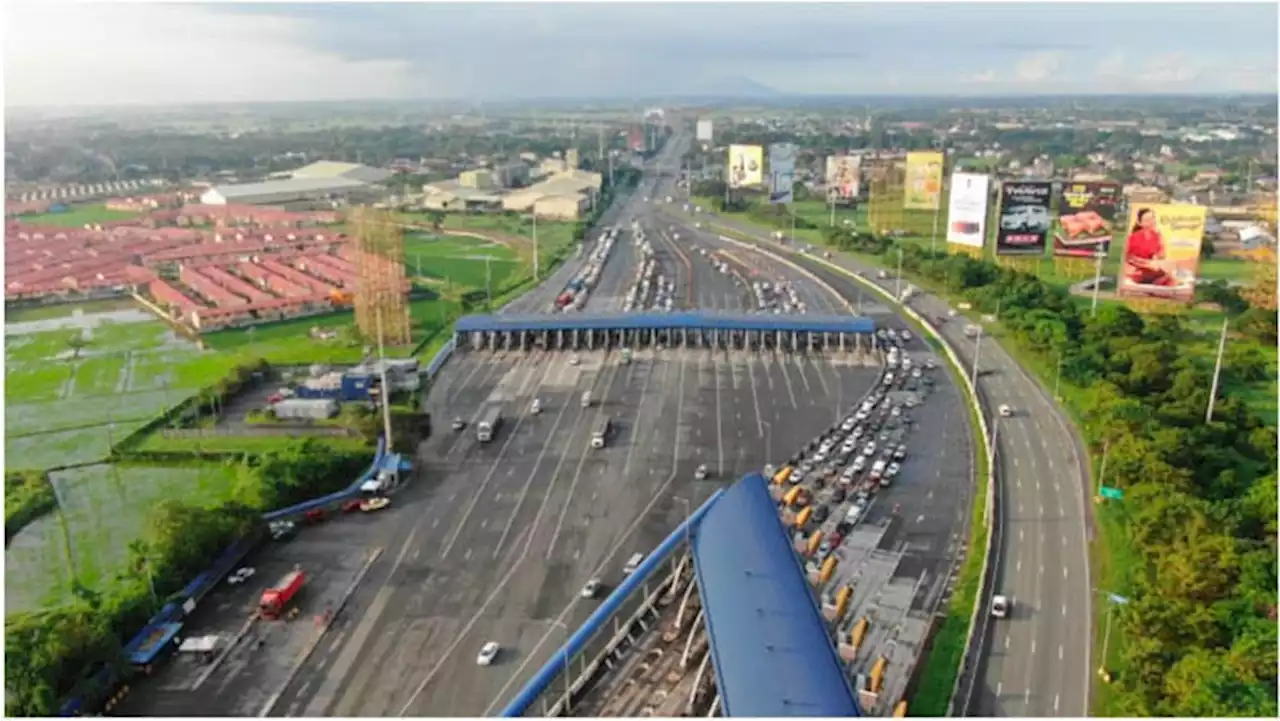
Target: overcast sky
x,y
95,53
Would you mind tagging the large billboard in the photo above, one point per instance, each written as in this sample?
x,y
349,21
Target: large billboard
x,y
967,210
1086,219
1025,219
844,176
923,189
704,132
746,165
1162,252
782,172
636,139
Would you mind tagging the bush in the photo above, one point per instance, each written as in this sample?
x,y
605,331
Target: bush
x,y
28,495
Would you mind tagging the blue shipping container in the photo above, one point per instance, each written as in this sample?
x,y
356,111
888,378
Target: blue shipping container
x,y
356,387
313,393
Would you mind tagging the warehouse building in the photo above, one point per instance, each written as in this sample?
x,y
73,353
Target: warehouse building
x,y
312,186
556,195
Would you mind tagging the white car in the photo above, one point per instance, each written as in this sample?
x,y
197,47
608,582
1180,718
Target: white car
x,y
241,575
488,653
573,360
1005,411
536,407
591,589
374,504
1001,606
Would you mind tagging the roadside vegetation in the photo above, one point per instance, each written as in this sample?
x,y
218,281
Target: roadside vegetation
x,y
49,652
1193,542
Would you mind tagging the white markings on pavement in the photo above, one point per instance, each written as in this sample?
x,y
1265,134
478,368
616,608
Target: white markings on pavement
x,y
786,377
1017,567
1064,571
1033,647
999,688
755,399
920,518
1006,642
1055,703
715,369
1021,534
1064,609
1059,652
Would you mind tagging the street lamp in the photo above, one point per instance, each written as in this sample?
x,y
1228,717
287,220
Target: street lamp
x,y
568,677
688,513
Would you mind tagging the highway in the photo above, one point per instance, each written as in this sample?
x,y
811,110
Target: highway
x,y
1037,662
493,541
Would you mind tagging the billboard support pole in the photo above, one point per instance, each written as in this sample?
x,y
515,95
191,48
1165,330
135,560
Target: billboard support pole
x,y
1217,372
933,239
831,201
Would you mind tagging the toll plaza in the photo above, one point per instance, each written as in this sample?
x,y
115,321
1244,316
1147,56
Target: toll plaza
x,y
718,620
729,331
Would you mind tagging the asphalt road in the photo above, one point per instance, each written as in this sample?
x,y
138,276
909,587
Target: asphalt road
x,y
1036,662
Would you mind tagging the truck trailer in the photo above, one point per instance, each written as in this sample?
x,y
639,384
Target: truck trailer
x,y
276,598
490,420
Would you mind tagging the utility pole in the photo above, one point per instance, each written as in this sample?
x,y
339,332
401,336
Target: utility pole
x,y
1097,282
386,389
977,351
488,284
831,201
1057,380
898,290
1217,372
535,246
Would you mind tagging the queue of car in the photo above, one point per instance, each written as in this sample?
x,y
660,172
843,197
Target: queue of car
x,y
839,473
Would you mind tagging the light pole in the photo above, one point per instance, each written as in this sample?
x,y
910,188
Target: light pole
x,y
1217,372
898,288
535,247
568,677
1097,282
1113,600
977,351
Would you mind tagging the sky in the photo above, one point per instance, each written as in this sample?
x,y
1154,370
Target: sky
x,y
58,53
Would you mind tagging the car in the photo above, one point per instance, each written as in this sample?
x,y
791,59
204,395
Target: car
x,y
488,653
900,453
930,364
839,494
700,473
915,373
573,360
374,504
869,449
906,335
1001,606
241,575
820,456
892,470
1005,411
592,589
1025,218
459,424
536,407
282,530
821,513
897,411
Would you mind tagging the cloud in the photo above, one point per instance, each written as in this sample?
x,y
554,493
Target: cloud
x,y
1037,67
986,77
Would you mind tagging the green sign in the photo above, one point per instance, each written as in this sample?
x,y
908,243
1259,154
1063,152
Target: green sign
x,y
1114,494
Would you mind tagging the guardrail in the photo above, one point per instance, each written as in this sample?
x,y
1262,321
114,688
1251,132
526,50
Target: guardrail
x,y
442,355
977,627
578,641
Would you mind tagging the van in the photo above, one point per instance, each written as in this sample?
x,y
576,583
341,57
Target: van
x,y
600,433
633,563
586,399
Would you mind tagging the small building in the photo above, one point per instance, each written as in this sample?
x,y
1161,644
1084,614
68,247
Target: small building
x,y
482,179
562,207
451,196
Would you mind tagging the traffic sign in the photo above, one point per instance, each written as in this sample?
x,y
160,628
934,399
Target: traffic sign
x,y
1114,494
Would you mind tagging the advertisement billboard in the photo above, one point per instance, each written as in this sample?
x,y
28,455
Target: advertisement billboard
x,y
635,139
1025,219
844,176
1086,219
782,172
746,165
923,189
967,210
1162,251
704,131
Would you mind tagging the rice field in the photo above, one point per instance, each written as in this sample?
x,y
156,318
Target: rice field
x,y
61,398
104,509
79,216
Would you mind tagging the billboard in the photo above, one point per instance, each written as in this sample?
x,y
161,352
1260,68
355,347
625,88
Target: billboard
x,y
1086,218
746,165
967,210
1162,251
1025,219
704,132
782,172
923,189
636,139
844,176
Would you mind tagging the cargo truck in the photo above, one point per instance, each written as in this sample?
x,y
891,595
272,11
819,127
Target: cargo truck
x,y
276,598
489,422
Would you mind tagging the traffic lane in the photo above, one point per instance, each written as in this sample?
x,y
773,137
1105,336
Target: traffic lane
x,y
615,277
760,267
539,575
421,593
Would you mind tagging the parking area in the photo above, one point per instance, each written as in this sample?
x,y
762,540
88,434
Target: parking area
x,y
492,541
254,658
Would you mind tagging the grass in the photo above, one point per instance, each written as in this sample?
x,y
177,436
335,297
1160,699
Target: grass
x,y
246,444
65,448
66,310
79,216
104,508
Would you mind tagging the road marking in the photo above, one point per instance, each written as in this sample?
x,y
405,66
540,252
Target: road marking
x,y
1064,609
1033,647
1019,509
1042,511
1018,483
755,399
715,369
1041,570
999,688
475,498
1055,703
786,377
1064,571
1021,534
1059,652
1018,567
635,424
1006,642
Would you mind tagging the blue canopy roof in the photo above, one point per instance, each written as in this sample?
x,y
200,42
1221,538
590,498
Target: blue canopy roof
x,y
772,653
692,321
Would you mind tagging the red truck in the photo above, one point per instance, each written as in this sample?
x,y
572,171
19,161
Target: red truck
x,y
275,599
565,299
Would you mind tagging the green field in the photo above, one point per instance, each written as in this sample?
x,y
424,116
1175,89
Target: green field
x,y
79,216
103,509
58,406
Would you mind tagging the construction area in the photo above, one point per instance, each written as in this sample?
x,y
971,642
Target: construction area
x,y
382,310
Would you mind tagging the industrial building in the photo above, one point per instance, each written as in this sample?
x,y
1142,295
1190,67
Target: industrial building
x,y
320,183
553,194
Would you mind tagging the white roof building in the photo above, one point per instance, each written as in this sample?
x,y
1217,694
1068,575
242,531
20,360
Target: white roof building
x,y
281,191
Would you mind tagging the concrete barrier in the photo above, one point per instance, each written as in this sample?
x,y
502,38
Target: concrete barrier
x,y
977,620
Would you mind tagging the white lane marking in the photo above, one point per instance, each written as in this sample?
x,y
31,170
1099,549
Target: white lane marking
x,y
1064,609
1064,571
715,369
1019,509
1015,462
1021,534
1006,642
1059,652
1033,647
755,400
999,688
1041,571
1042,511
1055,703
1018,566
786,377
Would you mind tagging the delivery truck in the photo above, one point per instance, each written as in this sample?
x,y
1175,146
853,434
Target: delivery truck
x,y
490,420
276,598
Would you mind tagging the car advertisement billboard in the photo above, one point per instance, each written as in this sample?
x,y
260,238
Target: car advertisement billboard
x,y
704,132
1025,219
1162,251
782,172
967,209
746,165
844,176
1086,219
923,189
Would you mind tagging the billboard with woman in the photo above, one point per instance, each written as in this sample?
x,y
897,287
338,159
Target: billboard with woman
x,y
1162,251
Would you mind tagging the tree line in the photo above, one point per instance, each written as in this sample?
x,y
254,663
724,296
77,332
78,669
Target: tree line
x,y
1197,524
50,653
